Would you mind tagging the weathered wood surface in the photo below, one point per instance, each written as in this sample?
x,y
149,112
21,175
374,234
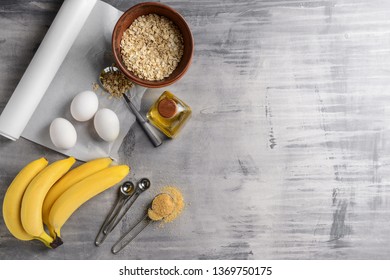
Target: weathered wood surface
x,y
286,155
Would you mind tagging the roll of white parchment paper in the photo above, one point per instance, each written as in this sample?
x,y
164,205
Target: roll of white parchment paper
x,y
44,65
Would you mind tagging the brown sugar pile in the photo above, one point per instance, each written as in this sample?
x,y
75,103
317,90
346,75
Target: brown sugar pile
x,y
167,206
162,206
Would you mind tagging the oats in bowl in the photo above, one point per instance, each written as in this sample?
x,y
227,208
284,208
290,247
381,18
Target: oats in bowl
x,y
152,47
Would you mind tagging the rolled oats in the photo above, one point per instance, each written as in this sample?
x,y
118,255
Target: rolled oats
x,y
115,83
152,47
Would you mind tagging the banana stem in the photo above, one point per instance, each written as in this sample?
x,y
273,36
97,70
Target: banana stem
x,y
51,242
57,242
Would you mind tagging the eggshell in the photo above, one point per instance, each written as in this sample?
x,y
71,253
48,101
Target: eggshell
x,y
106,124
84,106
62,133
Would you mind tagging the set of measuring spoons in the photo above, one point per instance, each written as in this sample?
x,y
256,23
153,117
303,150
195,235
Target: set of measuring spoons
x,y
128,193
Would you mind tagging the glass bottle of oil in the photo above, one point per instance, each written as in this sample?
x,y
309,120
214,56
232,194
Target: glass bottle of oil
x,y
169,114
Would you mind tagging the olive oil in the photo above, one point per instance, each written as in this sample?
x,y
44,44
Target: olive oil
x,y
169,114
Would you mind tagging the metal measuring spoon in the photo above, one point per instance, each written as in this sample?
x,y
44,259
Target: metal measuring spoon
x,y
125,192
131,234
141,186
134,231
146,126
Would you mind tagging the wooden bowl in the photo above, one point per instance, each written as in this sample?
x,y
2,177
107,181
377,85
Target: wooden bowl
x,y
153,8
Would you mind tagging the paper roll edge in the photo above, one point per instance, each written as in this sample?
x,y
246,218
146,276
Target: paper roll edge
x,y
6,135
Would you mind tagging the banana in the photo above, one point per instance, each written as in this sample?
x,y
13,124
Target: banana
x,y
13,198
31,210
81,192
69,179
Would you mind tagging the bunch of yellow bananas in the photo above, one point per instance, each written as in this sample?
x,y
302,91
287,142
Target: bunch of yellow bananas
x,y
49,194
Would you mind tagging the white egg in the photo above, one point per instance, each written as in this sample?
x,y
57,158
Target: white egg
x,y
84,106
62,133
106,124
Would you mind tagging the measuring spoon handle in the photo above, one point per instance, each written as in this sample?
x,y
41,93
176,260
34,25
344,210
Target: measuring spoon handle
x,y
119,216
101,236
131,234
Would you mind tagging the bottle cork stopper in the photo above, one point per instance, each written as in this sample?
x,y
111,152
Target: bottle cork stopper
x,y
167,108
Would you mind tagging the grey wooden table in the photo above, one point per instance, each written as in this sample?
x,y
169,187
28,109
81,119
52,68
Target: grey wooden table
x,y
287,153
